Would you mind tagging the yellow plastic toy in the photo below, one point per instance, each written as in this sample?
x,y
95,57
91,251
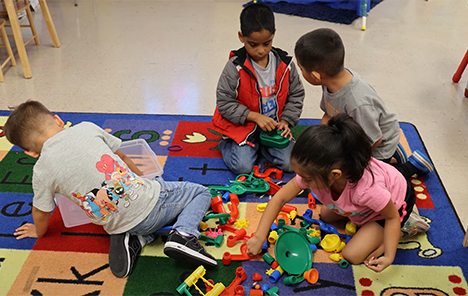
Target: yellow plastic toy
x,y
269,271
203,225
241,223
261,207
314,232
350,228
335,257
273,237
342,245
292,215
192,280
332,243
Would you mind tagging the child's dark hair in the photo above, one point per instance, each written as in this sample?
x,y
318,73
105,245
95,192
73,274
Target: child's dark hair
x,y
25,123
341,143
321,50
256,18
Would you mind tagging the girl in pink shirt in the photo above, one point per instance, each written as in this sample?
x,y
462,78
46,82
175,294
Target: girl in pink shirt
x,y
334,161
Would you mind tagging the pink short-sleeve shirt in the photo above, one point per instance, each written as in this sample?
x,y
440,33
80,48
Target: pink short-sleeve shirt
x,y
362,201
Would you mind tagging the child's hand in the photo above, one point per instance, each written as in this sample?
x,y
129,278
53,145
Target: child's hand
x,y
253,246
264,122
26,230
283,125
378,264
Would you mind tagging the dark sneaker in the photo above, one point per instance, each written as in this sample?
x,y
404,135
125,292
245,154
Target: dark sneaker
x,y
400,154
187,248
123,251
421,162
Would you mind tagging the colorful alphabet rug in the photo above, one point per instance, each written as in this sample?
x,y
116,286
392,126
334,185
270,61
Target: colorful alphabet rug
x,y
74,260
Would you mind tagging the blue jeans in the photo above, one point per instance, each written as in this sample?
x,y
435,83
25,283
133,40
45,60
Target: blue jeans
x,y
185,201
241,159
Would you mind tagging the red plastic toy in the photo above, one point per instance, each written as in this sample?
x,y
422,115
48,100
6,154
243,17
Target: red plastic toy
x,y
311,201
233,207
233,287
239,290
278,173
217,204
240,234
288,208
228,257
273,187
257,277
256,293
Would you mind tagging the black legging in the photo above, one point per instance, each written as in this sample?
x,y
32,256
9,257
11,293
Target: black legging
x,y
407,169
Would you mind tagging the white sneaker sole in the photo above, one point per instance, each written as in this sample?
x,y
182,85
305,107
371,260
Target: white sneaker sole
x,y
424,162
178,251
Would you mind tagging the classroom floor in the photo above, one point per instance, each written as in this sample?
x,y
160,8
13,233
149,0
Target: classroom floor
x,y
165,57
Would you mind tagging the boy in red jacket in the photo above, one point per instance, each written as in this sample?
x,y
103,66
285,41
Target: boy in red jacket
x,y
259,89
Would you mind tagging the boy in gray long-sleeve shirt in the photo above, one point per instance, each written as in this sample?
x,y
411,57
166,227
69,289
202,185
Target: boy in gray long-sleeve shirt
x,y
320,55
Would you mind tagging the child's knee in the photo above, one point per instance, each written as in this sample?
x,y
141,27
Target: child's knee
x,y
241,167
351,257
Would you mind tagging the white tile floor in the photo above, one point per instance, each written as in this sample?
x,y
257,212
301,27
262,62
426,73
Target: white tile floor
x,y
165,57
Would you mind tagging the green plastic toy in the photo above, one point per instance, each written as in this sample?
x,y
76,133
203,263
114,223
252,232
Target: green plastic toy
x,y
293,252
250,184
274,139
293,280
218,241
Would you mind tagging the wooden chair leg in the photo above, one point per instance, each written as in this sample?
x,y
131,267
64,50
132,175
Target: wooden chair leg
x,y
33,26
7,46
16,28
49,22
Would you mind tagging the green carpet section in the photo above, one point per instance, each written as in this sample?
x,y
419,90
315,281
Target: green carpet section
x,y
161,276
298,129
16,172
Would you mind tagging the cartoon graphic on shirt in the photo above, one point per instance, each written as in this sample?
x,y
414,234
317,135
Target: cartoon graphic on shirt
x,y
97,203
123,177
118,193
339,211
119,186
106,166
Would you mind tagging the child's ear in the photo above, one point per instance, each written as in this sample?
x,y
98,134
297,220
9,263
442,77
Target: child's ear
x,y
336,174
33,154
316,75
59,121
241,37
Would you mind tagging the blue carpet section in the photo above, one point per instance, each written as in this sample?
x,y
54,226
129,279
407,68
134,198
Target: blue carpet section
x,y
15,211
342,12
328,284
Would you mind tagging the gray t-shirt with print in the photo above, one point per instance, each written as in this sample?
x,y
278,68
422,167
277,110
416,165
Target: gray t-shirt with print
x,y
266,78
360,101
80,164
